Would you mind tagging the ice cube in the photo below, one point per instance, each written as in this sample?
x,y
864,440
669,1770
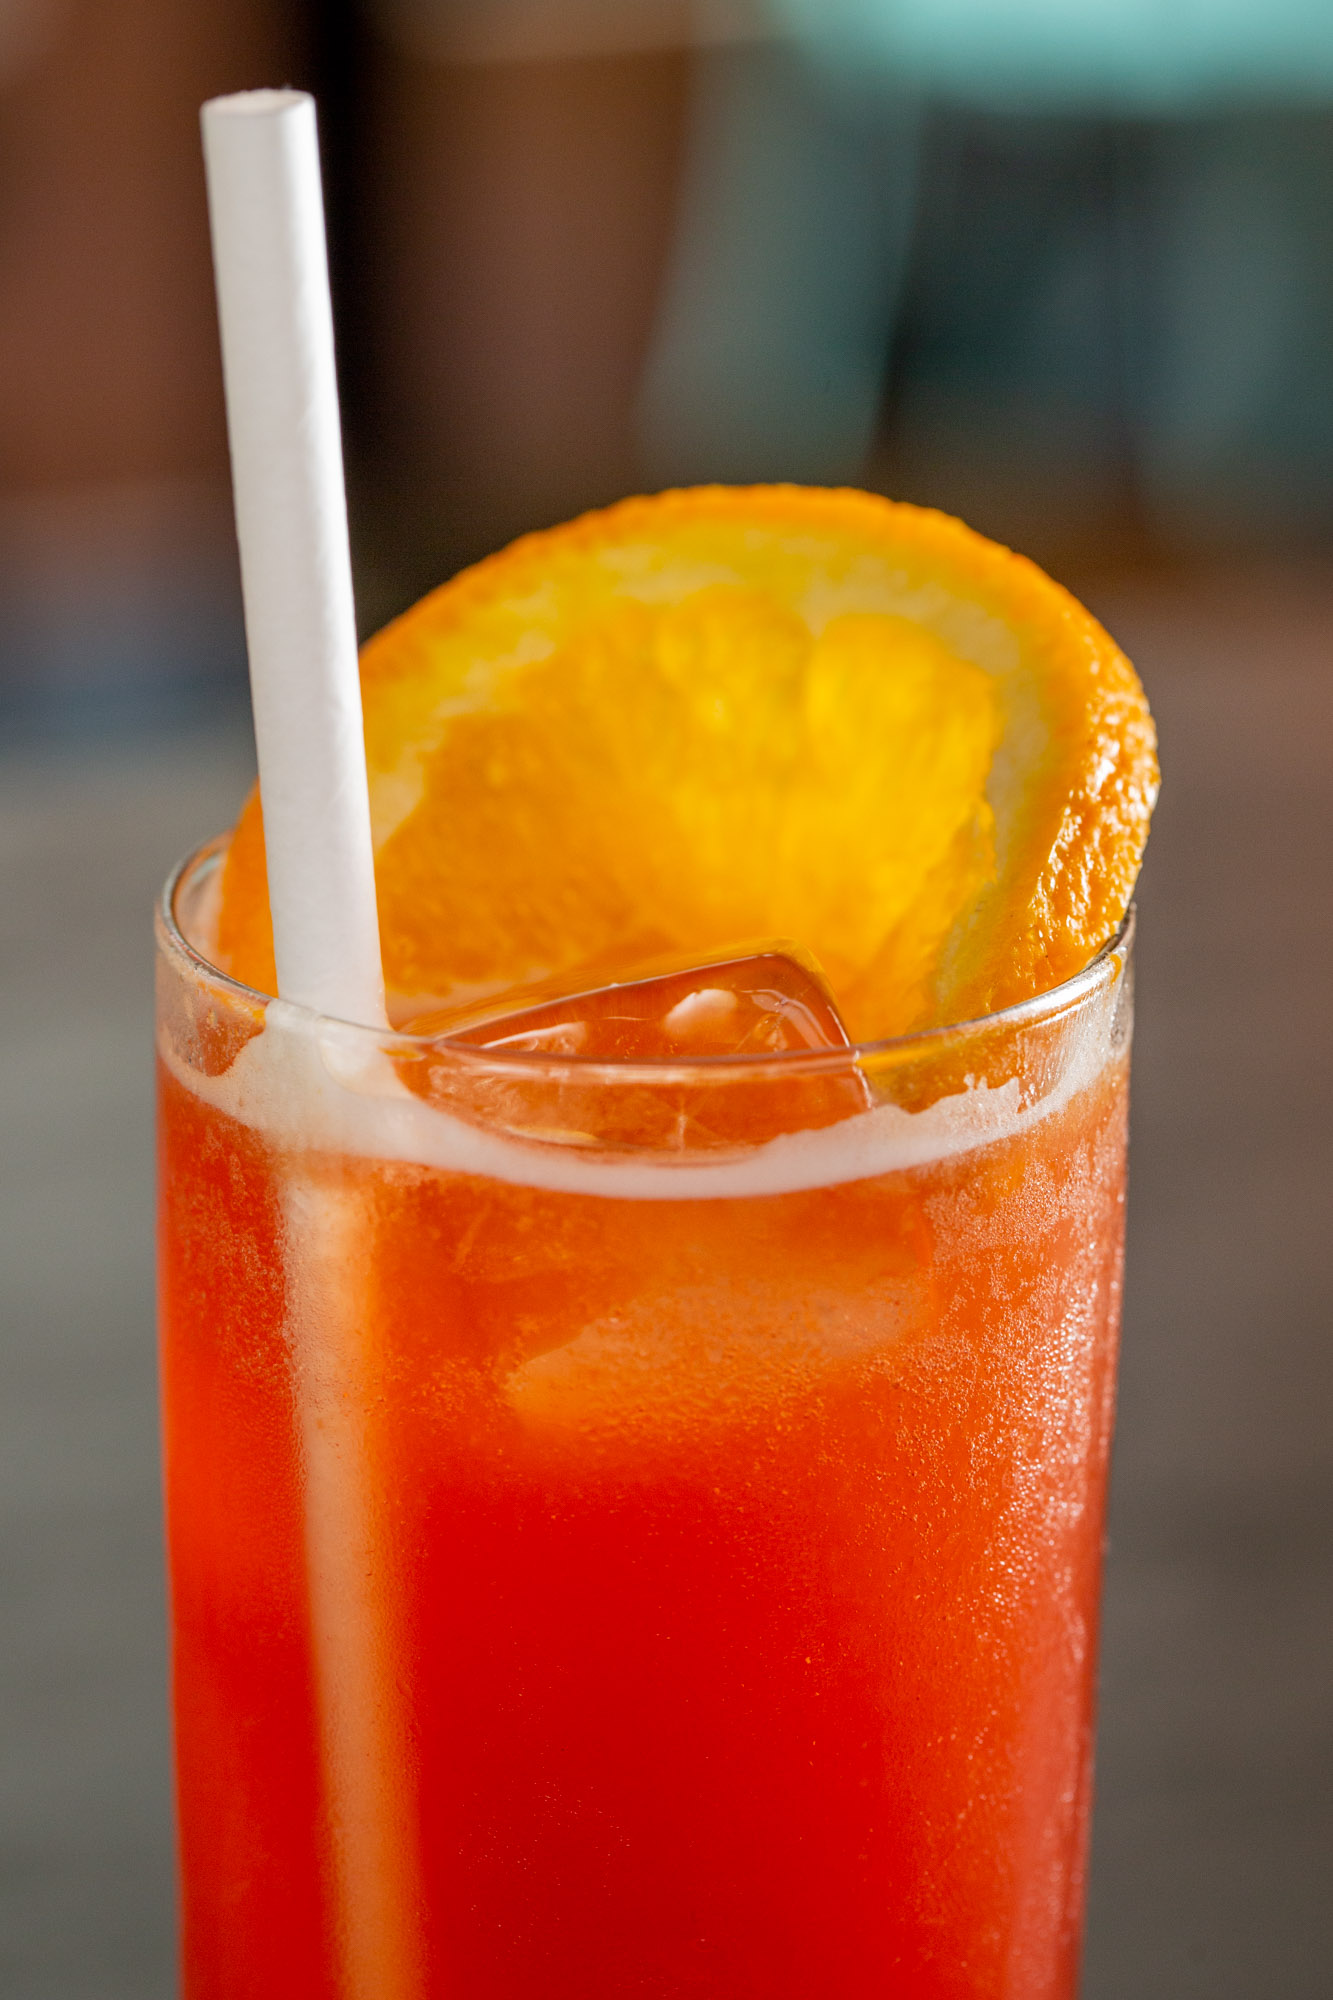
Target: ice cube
x,y
770,1001
760,1004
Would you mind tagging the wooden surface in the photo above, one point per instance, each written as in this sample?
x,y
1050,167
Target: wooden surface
x,y
1214,1833
1214,1841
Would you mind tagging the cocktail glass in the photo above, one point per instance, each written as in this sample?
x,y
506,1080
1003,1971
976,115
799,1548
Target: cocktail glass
x,y
634,1528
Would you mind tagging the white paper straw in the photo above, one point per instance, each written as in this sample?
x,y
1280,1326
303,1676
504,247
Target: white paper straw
x,y
271,265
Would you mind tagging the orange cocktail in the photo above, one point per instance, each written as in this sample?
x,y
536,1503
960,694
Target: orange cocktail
x,y
635,1510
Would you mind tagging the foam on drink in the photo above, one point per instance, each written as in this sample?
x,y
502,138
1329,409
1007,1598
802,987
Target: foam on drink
x,y
307,1083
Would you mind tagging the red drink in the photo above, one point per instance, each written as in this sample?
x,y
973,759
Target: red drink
x,y
616,1550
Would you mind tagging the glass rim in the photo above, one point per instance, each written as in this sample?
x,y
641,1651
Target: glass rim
x,y
1103,967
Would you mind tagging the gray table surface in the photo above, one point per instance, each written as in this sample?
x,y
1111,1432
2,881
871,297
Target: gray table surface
x,y
1214,1835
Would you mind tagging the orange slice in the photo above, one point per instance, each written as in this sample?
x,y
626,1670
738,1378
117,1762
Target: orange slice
x,y
724,714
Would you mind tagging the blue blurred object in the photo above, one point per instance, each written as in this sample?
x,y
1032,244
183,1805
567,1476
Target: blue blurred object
x,y
794,230
1227,294
120,609
1122,55
1084,247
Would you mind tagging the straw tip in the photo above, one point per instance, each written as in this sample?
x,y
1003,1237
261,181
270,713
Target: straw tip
x,y
255,104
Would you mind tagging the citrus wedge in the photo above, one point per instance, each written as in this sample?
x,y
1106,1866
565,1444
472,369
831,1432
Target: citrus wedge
x,y
737,713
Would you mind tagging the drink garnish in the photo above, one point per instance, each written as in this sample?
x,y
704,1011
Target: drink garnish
x,y
729,713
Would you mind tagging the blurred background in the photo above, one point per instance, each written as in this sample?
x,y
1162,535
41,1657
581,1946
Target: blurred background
x,y
1062,266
